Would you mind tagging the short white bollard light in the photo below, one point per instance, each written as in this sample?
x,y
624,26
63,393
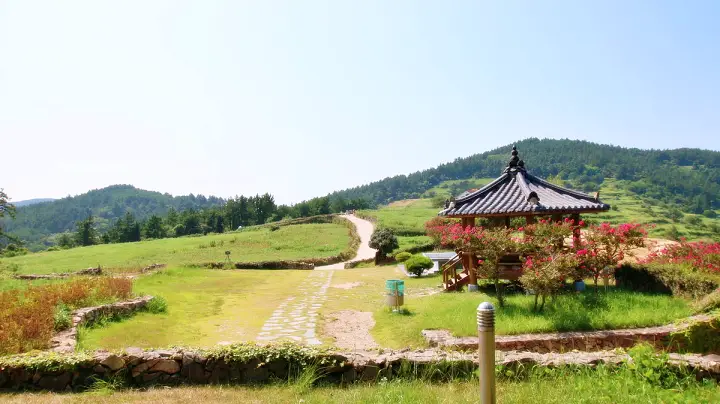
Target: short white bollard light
x,y
486,351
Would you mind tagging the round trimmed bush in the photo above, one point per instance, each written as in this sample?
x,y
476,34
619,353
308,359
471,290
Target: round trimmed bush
x,y
417,264
402,256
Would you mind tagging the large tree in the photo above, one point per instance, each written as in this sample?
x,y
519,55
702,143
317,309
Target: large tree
x,y
6,208
86,233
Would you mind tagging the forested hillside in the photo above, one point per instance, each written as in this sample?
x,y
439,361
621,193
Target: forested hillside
x,y
36,221
686,178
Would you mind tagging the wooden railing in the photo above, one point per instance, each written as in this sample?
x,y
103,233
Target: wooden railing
x,y
450,272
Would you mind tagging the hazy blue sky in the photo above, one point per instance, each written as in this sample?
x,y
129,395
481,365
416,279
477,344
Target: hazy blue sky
x,y
300,98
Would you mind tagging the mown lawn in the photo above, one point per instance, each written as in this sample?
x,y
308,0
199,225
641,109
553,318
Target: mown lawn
x,y
457,311
581,388
287,243
204,307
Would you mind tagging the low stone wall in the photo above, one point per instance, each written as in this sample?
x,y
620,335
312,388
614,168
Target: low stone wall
x,y
138,368
263,265
659,337
152,267
66,340
88,271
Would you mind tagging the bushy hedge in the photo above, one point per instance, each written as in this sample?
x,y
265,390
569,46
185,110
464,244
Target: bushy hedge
x,y
417,264
678,279
402,256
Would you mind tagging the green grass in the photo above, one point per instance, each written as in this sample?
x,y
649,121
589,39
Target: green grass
x,y
457,311
588,387
287,243
204,307
630,208
406,242
405,218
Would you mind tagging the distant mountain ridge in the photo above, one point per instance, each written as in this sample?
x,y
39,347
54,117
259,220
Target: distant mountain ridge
x,y
35,222
28,202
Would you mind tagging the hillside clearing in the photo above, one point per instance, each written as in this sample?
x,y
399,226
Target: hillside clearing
x,y
296,242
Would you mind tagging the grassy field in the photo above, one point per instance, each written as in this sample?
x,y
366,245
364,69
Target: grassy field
x,y
456,311
629,208
287,243
582,388
205,307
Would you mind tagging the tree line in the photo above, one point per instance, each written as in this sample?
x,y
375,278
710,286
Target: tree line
x,y
234,214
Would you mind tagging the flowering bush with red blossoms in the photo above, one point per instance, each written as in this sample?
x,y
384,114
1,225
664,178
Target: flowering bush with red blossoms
x,y
546,275
701,255
547,261
605,246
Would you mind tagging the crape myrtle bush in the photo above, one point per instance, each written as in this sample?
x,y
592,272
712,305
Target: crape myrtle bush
x,y
28,317
547,261
687,269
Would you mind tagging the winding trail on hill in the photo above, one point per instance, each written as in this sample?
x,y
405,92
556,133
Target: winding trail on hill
x,y
365,230
295,318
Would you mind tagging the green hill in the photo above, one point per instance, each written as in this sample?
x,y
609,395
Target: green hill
x,y
686,179
36,222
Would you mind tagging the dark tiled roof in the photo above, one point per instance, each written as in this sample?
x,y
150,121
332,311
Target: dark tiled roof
x,y
515,191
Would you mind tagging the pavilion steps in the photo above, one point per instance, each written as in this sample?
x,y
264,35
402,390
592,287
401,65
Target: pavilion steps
x,y
452,279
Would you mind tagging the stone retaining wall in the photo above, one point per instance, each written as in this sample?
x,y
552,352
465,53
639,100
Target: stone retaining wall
x,y
172,367
88,271
568,341
66,340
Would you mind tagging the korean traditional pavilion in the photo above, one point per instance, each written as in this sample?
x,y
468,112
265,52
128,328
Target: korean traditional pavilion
x,y
515,193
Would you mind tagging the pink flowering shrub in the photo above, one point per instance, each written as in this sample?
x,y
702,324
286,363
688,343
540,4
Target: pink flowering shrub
x,y
701,255
546,275
548,262
605,246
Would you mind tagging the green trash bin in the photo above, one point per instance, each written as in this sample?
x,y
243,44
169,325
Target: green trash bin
x,y
395,292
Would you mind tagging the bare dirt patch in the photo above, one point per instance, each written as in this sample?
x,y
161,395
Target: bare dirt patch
x,y
348,285
351,329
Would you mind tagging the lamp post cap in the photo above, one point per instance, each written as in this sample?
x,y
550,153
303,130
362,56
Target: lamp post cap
x,y
486,306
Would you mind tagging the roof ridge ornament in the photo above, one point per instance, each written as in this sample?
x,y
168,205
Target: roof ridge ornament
x,y
515,164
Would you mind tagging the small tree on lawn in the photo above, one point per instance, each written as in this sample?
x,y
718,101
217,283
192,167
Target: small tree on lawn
x,y
605,246
417,264
546,275
384,241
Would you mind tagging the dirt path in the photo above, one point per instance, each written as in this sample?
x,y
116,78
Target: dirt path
x,y
365,229
351,329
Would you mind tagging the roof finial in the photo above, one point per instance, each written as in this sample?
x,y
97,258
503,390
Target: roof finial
x,y
514,159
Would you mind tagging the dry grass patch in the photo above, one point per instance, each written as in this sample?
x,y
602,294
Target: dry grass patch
x,y
29,317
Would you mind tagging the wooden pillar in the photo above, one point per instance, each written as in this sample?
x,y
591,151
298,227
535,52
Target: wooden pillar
x,y
507,221
576,231
529,220
470,260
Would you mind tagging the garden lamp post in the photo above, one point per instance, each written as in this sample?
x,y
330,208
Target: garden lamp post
x,y
486,351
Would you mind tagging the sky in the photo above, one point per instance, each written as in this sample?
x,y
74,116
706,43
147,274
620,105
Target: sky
x,y
301,98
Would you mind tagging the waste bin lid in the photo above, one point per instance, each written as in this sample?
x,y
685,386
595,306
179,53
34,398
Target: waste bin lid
x,y
395,285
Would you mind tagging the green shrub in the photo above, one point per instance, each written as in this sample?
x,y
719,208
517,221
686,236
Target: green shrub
x,y
709,302
157,305
699,337
62,317
417,264
680,279
402,256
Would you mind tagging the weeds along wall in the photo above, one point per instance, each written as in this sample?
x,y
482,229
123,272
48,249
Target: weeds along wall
x,y
255,364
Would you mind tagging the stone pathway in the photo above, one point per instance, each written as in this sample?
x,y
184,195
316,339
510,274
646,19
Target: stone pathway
x,y
295,318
